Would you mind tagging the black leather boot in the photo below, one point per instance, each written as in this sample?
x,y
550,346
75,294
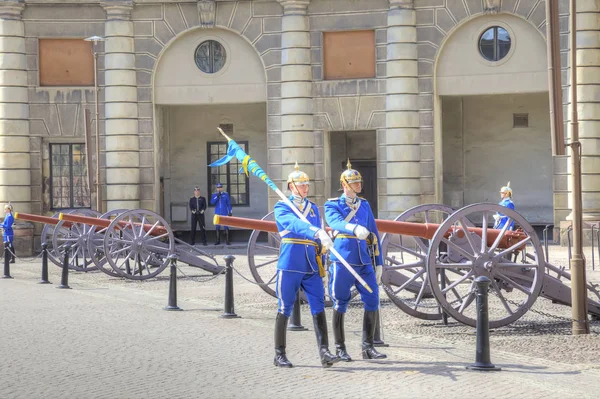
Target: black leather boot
x,y
320,323
368,350
227,241
218,232
281,359
339,336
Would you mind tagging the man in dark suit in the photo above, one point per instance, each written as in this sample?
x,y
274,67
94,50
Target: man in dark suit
x,y
198,206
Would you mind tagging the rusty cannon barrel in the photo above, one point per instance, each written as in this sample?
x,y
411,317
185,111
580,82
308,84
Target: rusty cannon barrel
x,y
39,219
423,230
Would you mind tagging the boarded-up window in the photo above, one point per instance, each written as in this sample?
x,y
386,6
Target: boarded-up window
x,y
349,55
66,62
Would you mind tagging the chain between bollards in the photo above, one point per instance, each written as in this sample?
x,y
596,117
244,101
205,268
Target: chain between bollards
x,y
229,312
44,279
64,277
295,320
482,351
173,284
7,257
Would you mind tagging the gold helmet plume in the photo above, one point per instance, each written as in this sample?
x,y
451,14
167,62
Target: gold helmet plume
x,y
297,177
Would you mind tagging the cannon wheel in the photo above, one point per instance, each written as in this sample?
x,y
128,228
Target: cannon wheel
x,y
514,285
132,249
263,253
96,244
76,235
404,277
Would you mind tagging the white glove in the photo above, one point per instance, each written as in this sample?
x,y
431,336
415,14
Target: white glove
x,y
325,239
496,217
378,273
361,232
202,211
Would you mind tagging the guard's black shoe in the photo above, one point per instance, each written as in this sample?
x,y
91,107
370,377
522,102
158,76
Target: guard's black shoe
x,y
281,359
369,352
328,359
342,353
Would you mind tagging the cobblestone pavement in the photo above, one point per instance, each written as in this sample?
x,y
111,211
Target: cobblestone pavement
x,y
111,338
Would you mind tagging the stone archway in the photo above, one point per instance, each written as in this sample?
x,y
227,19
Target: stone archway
x,y
190,103
492,119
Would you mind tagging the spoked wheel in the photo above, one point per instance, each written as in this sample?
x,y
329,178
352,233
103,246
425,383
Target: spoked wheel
x,y
47,235
515,282
76,235
96,244
138,243
263,254
404,277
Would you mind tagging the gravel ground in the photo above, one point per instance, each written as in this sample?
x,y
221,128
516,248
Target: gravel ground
x,y
543,332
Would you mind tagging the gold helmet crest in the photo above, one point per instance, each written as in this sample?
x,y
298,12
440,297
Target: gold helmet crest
x,y
507,189
8,206
350,175
298,177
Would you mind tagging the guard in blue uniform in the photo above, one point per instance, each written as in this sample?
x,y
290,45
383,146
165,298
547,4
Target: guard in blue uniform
x,y
300,266
357,240
222,204
7,230
506,201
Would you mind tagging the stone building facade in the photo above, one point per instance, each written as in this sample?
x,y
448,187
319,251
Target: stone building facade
x,y
428,98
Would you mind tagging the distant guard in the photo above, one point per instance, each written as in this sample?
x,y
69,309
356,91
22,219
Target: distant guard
x,y
501,219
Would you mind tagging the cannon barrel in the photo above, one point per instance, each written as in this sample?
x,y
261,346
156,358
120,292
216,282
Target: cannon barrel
x,y
39,219
423,230
154,230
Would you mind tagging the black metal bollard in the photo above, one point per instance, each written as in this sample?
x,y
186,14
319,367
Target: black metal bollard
x,y
229,312
44,279
295,320
7,256
173,285
482,354
64,277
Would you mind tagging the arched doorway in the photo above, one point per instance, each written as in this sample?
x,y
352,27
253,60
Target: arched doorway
x,y
207,78
492,116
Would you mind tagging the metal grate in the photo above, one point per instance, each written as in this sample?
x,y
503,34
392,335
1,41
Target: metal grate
x,y
520,120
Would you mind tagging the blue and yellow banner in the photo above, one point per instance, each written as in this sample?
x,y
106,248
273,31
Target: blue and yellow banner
x,y
248,164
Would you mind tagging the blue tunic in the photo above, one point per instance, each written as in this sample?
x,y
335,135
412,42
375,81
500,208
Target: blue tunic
x,y
355,251
7,232
222,206
297,266
506,202
299,248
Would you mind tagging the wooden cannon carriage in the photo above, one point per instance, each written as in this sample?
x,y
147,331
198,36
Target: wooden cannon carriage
x,y
430,267
135,244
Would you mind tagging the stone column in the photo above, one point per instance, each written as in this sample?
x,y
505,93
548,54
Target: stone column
x,y
15,177
588,92
400,186
121,109
297,136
